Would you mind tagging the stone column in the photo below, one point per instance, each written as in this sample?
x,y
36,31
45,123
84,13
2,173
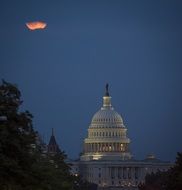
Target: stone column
x,y
133,173
111,147
114,145
122,173
104,147
85,148
127,171
116,173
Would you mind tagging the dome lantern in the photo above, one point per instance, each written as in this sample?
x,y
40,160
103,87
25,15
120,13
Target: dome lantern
x,y
107,99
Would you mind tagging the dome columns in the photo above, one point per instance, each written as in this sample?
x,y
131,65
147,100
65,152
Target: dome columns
x,y
105,147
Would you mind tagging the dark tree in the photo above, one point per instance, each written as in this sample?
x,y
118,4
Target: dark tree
x,y
22,164
168,180
174,181
80,184
17,138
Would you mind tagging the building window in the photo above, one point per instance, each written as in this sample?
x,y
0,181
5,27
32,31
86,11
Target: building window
x,y
121,147
99,175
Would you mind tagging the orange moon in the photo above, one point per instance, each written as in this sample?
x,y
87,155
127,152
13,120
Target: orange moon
x,y
36,25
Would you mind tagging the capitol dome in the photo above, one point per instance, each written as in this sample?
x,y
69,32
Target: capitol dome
x,y
107,138
107,118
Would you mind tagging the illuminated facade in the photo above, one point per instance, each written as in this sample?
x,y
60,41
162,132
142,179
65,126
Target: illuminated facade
x,y
106,158
107,138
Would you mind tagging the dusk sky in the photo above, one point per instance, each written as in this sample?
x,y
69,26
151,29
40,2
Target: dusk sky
x,y
134,45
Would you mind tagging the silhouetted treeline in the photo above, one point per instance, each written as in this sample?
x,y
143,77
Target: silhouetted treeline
x,y
168,180
23,165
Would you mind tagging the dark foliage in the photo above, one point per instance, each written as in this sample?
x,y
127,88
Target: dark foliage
x,y
169,180
80,184
22,165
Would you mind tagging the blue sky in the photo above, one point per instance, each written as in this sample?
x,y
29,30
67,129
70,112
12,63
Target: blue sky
x,y
135,46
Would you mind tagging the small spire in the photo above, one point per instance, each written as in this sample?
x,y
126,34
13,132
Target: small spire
x,y
107,90
52,131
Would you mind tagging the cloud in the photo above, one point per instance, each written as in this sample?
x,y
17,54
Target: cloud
x,y
37,25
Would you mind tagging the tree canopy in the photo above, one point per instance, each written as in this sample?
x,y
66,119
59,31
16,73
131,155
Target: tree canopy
x,y
168,180
23,166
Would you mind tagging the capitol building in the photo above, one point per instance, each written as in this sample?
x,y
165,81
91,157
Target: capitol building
x,y
106,159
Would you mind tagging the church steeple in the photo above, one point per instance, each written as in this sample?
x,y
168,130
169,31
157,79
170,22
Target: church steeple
x,y
52,131
52,147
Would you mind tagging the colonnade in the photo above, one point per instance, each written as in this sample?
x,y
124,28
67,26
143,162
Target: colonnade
x,y
107,134
132,173
105,147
